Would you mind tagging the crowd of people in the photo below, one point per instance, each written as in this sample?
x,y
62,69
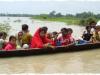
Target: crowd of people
x,y
42,39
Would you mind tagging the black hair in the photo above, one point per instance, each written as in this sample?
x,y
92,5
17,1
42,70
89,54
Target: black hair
x,y
55,33
3,34
12,37
70,29
24,27
64,29
92,22
87,27
20,33
44,29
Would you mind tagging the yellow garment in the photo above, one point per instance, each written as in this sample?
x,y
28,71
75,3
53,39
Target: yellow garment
x,y
96,36
18,47
26,38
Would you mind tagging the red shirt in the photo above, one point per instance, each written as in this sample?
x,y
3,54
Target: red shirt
x,y
10,47
65,40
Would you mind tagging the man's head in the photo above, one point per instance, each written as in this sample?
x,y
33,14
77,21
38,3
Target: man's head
x,y
70,31
64,31
25,27
88,28
43,31
3,35
92,24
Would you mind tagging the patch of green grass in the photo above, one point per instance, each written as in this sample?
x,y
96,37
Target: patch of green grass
x,y
67,20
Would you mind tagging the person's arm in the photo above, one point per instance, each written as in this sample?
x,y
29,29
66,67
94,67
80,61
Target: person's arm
x,y
38,43
50,43
83,34
93,38
8,47
29,38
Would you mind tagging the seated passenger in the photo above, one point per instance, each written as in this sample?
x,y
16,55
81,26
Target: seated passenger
x,y
65,38
39,40
96,35
3,36
11,44
26,36
92,24
49,35
55,39
87,35
70,31
19,39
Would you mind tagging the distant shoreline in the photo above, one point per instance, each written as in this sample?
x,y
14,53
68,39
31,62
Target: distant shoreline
x,y
15,16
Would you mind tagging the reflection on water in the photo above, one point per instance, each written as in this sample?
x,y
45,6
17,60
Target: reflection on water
x,y
77,62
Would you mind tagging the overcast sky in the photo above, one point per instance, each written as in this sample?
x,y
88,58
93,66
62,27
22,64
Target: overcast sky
x,y
40,7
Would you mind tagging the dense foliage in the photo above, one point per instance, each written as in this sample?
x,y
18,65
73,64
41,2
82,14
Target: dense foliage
x,y
78,19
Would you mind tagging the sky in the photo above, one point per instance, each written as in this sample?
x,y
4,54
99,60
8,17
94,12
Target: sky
x,y
46,6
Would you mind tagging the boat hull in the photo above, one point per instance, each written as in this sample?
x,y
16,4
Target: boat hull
x,y
29,52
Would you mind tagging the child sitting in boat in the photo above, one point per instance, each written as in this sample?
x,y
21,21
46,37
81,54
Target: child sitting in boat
x,y
3,36
11,44
39,40
55,39
92,24
49,35
87,35
70,32
26,37
19,39
65,38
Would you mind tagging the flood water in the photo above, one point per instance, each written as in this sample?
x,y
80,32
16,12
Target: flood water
x,y
76,62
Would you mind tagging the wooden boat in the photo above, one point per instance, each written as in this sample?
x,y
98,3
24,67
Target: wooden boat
x,y
28,52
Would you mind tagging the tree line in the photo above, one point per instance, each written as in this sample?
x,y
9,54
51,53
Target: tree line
x,y
77,15
84,17
55,14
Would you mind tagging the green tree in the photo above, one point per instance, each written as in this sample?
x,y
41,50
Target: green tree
x,y
85,15
82,22
86,21
52,14
59,15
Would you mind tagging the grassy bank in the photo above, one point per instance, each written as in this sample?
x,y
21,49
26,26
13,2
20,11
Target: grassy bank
x,y
67,20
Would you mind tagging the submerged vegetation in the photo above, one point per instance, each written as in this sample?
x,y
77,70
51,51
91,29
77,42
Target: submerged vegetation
x,y
5,27
17,20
